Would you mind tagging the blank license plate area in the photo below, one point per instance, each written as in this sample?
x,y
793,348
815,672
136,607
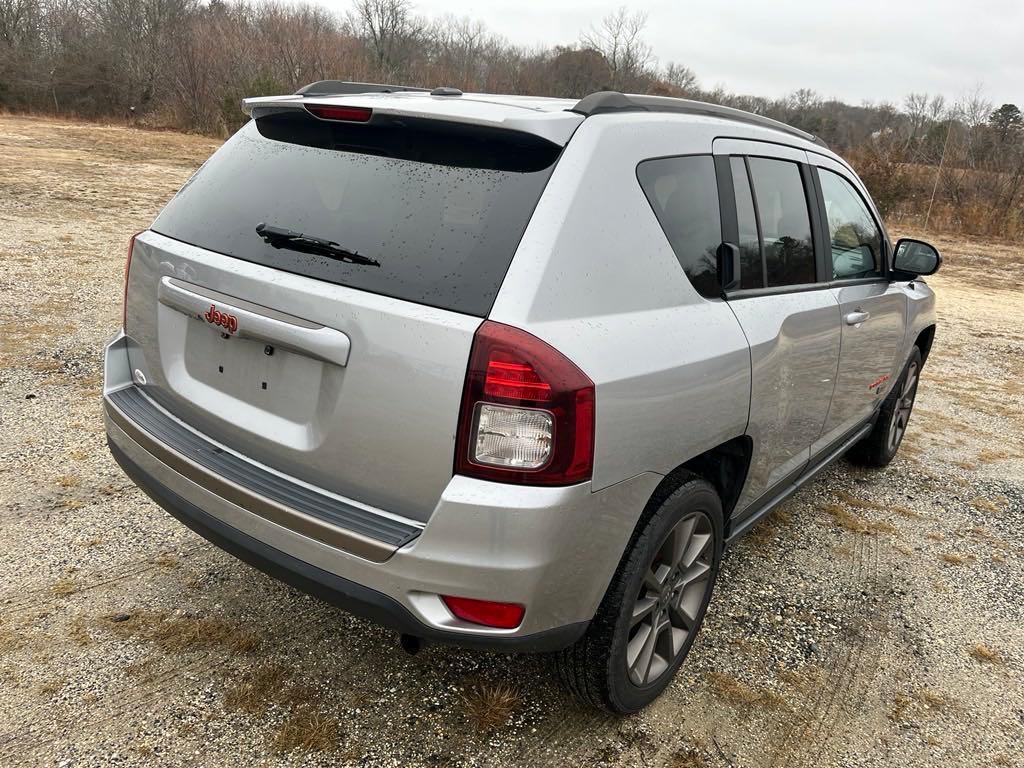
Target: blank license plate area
x,y
270,378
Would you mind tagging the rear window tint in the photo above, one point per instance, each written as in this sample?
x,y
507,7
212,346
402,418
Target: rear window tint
x,y
683,191
785,221
441,206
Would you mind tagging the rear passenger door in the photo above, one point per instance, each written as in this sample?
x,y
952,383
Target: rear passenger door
x,y
873,310
782,299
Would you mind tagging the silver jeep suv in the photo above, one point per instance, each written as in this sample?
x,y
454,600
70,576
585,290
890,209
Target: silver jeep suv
x,y
511,372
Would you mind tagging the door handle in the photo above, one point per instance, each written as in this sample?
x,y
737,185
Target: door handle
x,y
258,323
856,318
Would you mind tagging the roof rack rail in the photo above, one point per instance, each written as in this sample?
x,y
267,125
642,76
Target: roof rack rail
x,y
606,102
344,88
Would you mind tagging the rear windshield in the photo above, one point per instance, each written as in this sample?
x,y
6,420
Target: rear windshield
x,y
441,206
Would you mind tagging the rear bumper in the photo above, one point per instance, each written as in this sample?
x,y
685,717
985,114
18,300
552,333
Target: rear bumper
x,y
552,549
329,587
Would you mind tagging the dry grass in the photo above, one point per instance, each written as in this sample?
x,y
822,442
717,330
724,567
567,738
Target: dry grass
x,y
267,685
64,587
180,634
688,757
984,505
78,631
980,532
740,694
900,707
490,705
68,481
952,558
932,699
990,455
906,512
771,525
10,640
805,679
51,687
167,560
924,700
850,521
856,502
982,652
307,729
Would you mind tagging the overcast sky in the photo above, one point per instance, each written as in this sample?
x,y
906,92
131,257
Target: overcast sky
x,y
866,50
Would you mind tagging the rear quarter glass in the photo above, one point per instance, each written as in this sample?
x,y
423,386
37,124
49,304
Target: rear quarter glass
x,y
441,206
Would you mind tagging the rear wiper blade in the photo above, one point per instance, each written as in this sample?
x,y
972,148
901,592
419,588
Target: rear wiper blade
x,y
297,241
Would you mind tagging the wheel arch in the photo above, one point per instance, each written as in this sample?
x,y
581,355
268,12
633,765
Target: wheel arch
x,y
725,466
924,342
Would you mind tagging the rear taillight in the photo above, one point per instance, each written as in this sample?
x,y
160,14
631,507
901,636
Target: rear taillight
x,y
348,114
486,612
527,413
127,267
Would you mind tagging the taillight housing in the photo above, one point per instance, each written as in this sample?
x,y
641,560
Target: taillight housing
x,y
127,268
527,414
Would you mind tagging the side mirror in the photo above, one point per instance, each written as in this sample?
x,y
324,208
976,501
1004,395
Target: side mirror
x,y
916,257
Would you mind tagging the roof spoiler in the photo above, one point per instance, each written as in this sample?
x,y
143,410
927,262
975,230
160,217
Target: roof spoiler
x,y
345,88
608,102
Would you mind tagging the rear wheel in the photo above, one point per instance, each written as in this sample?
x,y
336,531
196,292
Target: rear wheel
x,y
654,606
882,443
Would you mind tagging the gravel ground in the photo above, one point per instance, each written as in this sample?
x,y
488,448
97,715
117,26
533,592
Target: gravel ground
x,y
874,620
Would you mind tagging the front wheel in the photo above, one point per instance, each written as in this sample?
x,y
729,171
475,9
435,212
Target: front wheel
x,y
881,444
654,606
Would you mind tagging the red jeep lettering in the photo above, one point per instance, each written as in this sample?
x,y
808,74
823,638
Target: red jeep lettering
x,y
215,317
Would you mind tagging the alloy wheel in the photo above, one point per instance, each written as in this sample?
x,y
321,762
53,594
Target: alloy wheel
x,y
901,410
667,607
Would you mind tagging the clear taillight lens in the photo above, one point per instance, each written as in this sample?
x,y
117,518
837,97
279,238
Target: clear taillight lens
x,y
520,438
527,412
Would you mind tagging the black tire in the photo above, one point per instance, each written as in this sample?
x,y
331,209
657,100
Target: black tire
x,y
882,443
595,668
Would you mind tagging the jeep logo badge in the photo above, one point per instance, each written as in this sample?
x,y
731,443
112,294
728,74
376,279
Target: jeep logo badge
x,y
215,317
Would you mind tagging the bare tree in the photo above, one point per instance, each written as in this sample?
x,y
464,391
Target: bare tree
x,y
619,40
681,78
389,28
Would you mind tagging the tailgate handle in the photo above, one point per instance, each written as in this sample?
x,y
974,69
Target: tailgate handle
x,y
252,321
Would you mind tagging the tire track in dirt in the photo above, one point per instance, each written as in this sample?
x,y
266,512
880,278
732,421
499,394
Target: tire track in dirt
x,y
855,663
207,664
131,569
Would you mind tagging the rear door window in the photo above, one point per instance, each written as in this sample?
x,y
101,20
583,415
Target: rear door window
x,y
683,191
441,206
785,221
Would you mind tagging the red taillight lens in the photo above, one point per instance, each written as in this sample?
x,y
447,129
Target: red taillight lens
x,y
511,380
127,268
349,114
486,612
527,413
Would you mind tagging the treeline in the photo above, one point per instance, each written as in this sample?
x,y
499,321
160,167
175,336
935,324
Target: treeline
x,y
186,64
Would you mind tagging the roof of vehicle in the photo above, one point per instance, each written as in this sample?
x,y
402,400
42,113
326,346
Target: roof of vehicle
x,y
554,119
